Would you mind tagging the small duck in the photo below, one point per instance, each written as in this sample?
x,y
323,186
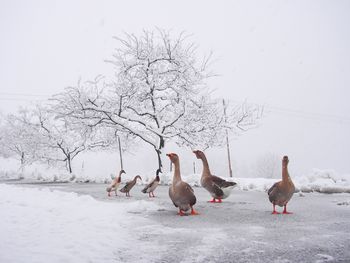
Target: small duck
x,y
281,192
129,185
152,185
180,192
217,187
115,184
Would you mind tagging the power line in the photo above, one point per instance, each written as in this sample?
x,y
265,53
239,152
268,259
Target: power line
x,y
310,115
23,99
306,112
10,96
23,94
316,116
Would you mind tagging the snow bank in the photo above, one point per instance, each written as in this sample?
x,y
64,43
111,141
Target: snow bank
x,y
43,225
308,183
257,184
191,179
44,176
55,175
323,181
4,175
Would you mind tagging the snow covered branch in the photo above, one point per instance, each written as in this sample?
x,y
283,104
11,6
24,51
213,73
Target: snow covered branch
x,y
158,94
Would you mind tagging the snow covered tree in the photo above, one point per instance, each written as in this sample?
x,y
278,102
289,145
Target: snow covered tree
x,y
17,140
158,94
53,140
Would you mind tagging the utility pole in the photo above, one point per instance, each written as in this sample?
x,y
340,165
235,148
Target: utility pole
x,y
194,167
120,154
227,142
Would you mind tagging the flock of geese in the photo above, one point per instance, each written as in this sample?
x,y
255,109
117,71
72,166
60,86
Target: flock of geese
x,y
182,194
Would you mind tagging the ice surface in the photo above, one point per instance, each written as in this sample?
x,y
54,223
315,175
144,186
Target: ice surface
x,y
79,223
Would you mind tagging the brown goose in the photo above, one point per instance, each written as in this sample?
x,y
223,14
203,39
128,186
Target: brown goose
x,y
129,185
152,185
217,187
115,184
181,193
281,192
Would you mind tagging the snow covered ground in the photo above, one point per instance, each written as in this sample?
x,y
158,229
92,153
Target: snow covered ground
x,y
323,181
77,222
54,226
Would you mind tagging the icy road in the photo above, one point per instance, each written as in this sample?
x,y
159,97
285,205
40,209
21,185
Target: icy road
x,y
241,229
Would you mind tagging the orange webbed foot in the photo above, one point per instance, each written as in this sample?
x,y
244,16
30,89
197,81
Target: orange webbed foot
x,y
181,213
274,212
285,210
194,213
287,213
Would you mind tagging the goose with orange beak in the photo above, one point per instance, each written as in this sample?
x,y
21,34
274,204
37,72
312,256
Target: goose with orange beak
x,y
281,192
180,192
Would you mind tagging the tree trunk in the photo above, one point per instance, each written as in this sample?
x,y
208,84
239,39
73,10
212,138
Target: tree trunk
x,y
22,162
22,166
69,164
120,155
159,152
22,159
227,142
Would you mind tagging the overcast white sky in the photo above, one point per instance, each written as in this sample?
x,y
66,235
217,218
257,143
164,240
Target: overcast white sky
x,y
292,56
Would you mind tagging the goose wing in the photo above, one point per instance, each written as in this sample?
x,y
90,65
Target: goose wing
x,y
186,193
274,192
144,190
210,184
221,182
127,186
182,194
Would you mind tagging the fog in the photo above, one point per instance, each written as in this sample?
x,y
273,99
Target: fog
x,y
290,56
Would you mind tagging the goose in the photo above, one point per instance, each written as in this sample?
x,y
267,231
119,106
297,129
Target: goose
x,y
217,187
129,185
152,185
281,192
115,184
180,192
